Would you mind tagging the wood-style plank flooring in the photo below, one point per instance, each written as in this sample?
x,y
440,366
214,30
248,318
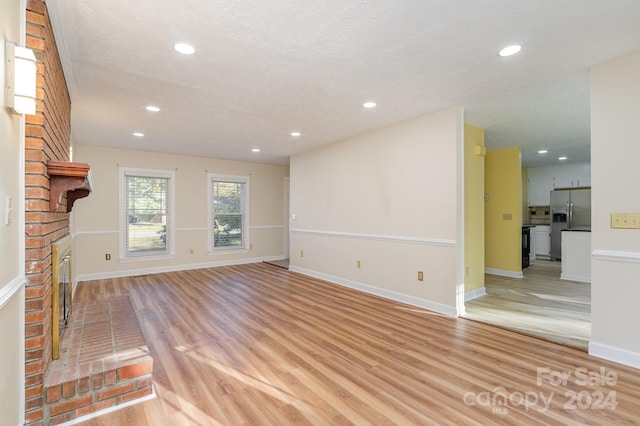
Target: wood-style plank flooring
x,y
260,345
540,304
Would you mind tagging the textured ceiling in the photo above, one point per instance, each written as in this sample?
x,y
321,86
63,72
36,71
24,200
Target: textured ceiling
x,y
265,68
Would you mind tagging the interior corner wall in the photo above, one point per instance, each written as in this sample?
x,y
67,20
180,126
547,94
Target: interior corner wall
x,y
95,218
12,279
503,210
371,211
615,266
473,209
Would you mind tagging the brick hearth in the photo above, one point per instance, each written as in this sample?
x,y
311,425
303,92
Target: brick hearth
x,y
103,362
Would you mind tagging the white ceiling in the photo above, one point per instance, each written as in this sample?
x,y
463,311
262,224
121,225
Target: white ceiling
x,y
264,68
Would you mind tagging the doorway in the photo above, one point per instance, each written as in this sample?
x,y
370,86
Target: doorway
x,y
539,304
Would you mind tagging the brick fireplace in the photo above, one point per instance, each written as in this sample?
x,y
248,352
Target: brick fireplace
x,y
47,137
92,374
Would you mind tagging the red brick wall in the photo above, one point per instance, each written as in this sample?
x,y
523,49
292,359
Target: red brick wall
x,y
47,138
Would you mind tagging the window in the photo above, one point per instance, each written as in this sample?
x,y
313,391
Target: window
x,y
146,212
228,208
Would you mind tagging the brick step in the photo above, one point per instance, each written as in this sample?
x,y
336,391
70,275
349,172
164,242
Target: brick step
x,y
104,362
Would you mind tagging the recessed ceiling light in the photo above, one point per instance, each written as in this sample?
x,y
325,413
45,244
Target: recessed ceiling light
x,y
153,108
369,104
562,158
256,150
510,50
138,134
542,151
185,49
295,134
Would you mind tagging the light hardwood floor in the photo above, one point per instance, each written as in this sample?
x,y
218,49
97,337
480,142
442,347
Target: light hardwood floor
x,y
540,304
260,345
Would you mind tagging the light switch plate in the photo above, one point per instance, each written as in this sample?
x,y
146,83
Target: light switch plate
x,y
625,220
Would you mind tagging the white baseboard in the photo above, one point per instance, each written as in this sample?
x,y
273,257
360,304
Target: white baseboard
x,y
503,273
578,278
474,294
387,294
170,268
615,354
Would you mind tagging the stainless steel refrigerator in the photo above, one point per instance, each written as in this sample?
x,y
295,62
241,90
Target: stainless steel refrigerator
x,y
570,209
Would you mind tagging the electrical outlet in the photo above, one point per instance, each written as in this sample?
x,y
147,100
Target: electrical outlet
x,y
420,276
294,217
191,251
107,256
358,263
301,253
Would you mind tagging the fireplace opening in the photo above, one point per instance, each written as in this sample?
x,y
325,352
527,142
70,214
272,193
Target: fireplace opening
x,y
62,291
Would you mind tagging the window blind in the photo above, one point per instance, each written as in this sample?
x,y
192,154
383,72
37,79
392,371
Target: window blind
x,y
147,210
229,213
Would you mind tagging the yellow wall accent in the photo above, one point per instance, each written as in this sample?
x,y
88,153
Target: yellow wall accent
x,y
525,194
503,237
473,208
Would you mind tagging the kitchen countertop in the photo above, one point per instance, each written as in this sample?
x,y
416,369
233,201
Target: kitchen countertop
x,y
583,229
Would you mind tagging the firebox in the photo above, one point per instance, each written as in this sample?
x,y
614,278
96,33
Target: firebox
x,y
61,291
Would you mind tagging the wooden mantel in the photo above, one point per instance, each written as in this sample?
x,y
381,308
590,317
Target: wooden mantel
x,y
70,177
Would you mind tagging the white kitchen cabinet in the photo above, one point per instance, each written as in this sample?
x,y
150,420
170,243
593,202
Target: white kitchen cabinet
x,y
542,240
543,180
571,182
540,186
532,246
576,256
571,176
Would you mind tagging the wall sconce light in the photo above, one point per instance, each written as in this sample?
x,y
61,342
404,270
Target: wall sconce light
x,y
20,70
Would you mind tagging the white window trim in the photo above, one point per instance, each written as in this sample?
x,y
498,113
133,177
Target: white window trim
x,y
122,222
226,178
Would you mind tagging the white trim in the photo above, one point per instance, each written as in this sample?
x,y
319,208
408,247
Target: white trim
x,y
615,354
246,234
123,172
169,268
146,258
61,44
461,260
8,291
387,294
503,273
616,256
474,294
194,229
116,232
286,189
379,237
111,409
267,227
578,278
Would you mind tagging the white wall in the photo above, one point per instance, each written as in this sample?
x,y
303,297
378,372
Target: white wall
x,y
615,152
95,218
389,198
11,235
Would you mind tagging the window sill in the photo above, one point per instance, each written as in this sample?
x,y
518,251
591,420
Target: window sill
x,y
222,251
149,258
